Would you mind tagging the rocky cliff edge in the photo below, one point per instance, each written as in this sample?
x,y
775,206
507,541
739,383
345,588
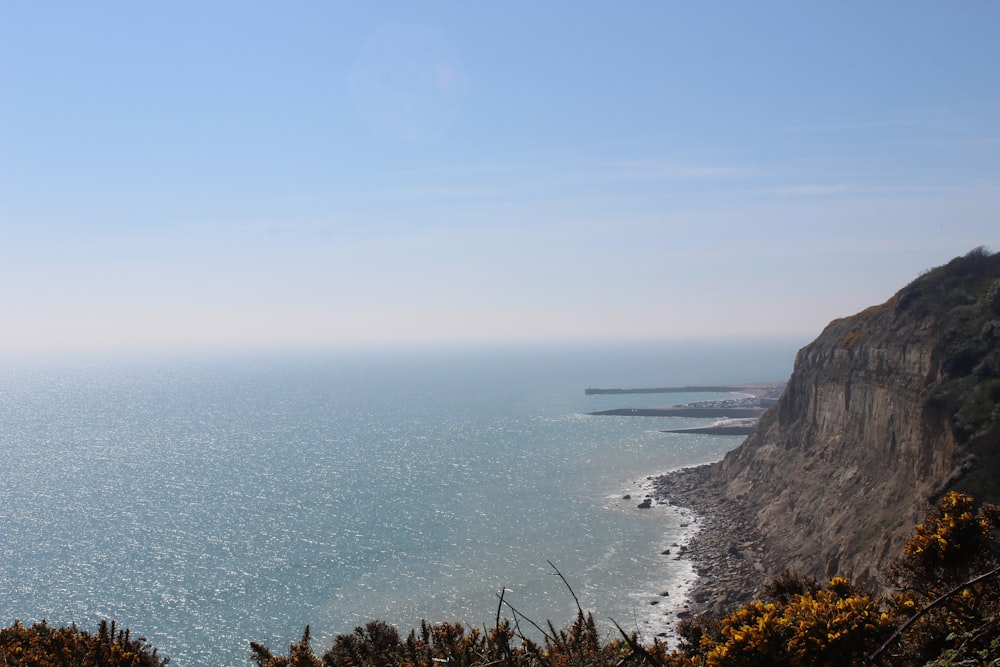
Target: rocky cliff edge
x,y
884,411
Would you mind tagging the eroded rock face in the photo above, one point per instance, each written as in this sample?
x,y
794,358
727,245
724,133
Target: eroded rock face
x,y
840,471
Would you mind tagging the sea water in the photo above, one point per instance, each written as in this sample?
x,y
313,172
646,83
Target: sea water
x,y
206,502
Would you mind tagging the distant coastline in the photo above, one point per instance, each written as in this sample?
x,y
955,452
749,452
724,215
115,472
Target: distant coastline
x,y
762,395
726,546
758,389
683,411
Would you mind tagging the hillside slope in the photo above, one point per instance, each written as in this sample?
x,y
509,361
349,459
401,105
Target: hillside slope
x,y
884,411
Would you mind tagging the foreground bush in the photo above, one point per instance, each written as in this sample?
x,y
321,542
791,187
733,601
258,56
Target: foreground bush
x,y
946,613
949,586
836,625
44,646
379,645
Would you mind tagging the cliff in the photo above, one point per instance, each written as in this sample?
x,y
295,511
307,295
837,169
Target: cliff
x,y
884,411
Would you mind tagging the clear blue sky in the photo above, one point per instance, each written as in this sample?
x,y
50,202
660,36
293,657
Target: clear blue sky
x,y
273,173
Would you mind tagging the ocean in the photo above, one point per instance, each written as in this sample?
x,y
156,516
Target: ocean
x,y
206,501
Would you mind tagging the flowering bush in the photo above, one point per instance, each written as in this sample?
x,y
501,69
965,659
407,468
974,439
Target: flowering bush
x,y
952,537
837,625
951,547
42,645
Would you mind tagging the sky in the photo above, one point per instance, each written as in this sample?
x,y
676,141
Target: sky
x,y
240,174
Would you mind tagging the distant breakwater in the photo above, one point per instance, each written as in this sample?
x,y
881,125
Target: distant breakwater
x,y
726,427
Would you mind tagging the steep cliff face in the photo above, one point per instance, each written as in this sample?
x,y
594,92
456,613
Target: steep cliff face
x,y
884,411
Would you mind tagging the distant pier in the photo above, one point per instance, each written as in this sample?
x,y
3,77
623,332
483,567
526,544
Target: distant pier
x,y
682,411
662,390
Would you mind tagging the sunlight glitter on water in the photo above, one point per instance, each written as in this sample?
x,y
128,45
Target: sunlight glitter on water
x,y
207,504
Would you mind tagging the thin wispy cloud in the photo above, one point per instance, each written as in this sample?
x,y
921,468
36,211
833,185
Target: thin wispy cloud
x,y
665,170
442,193
354,153
864,125
810,190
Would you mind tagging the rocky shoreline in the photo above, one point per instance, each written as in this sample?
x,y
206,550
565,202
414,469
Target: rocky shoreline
x,y
726,549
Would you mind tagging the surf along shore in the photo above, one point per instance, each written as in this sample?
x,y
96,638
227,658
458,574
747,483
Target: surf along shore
x,y
724,550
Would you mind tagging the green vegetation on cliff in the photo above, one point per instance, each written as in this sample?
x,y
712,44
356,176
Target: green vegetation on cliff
x,y
963,298
959,305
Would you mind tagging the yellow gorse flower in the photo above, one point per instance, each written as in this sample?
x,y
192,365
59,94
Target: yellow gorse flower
x,y
824,627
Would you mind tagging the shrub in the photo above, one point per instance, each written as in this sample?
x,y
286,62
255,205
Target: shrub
x,y
951,547
42,645
992,298
836,625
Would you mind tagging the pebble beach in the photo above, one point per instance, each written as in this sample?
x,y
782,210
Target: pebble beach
x,y
726,547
